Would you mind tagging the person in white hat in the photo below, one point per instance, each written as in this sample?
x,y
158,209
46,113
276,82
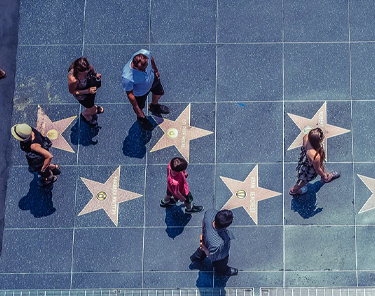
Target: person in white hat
x,y
38,157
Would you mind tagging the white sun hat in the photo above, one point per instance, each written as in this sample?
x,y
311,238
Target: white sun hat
x,y
22,132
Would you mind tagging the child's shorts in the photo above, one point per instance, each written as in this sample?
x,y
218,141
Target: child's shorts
x,y
189,197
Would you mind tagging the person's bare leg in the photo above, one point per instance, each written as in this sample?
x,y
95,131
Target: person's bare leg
x,y
2,74
89,112
167,198
155,99
187,205
299,185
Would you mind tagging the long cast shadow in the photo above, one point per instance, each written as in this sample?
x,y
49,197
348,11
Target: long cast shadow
x,y
176,220
83,134
38,200
305,204
135,142
205,274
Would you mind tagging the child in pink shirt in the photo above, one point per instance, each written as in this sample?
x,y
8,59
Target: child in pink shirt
x,y
178,187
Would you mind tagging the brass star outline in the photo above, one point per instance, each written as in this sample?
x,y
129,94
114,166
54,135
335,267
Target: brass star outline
x,y
107,196
54,130
247,194
318,120
179,133
370,203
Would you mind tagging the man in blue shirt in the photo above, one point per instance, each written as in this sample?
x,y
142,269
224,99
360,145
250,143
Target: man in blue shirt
x,y
140,76
215,241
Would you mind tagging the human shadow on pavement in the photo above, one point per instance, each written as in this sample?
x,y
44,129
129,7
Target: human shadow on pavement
x,y
83,134
176,220
305,204
221,281
205,275
135,142
38,200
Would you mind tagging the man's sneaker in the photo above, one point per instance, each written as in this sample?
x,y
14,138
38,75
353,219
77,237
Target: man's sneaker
x,y
158,109
194,209
231,271
164,204
46,181
145,123
194,258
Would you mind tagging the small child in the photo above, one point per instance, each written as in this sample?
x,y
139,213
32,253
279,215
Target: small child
x,y
310,164
178,187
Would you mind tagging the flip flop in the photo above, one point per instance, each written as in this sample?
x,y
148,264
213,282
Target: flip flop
x,y
92,122
333,175
301,191
99,110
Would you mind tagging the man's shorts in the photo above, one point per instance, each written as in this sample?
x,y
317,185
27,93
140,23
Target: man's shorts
x,y
156,89
189,197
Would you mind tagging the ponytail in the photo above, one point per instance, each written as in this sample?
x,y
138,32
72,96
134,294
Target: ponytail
x,y
316,137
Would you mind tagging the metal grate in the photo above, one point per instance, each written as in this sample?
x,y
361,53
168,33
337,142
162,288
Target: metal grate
x,y
134,292
317,291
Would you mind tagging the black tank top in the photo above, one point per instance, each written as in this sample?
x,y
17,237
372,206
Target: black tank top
x,y
38,138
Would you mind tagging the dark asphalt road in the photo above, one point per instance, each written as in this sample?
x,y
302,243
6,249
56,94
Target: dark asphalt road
x,y
9,15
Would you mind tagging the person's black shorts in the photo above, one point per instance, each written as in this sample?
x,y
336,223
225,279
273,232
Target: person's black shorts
x,y
88,101
156,89
189,197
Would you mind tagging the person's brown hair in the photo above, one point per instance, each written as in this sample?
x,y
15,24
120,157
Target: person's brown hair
x,y
79,65
316,137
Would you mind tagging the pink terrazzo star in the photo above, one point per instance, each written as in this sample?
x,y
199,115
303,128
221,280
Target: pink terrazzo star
x,y
54,130
247,194
319,120
179,133
107,196
370,203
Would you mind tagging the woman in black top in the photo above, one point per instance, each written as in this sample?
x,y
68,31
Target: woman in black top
x,y
38,157
78,78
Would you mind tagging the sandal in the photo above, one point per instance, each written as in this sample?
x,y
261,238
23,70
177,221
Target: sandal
x,y
332,176
301,191
99,110
47,181
56,171
89,122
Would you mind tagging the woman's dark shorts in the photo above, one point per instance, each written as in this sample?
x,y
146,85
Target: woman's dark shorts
x,y
88,101
156,89
189,197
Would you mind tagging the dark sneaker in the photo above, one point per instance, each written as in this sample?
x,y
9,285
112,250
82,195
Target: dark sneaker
x,y
232,271
194,209
171,203
194,258
145,123
46,181
158,109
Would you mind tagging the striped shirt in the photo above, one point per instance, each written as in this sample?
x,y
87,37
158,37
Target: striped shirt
x,y
217,241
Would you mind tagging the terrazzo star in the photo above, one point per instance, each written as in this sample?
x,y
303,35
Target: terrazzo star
x,y
319,120
139,78
107,196
247,194
54,130
179,133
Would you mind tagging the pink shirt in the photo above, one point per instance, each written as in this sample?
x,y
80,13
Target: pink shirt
x,y
177,183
